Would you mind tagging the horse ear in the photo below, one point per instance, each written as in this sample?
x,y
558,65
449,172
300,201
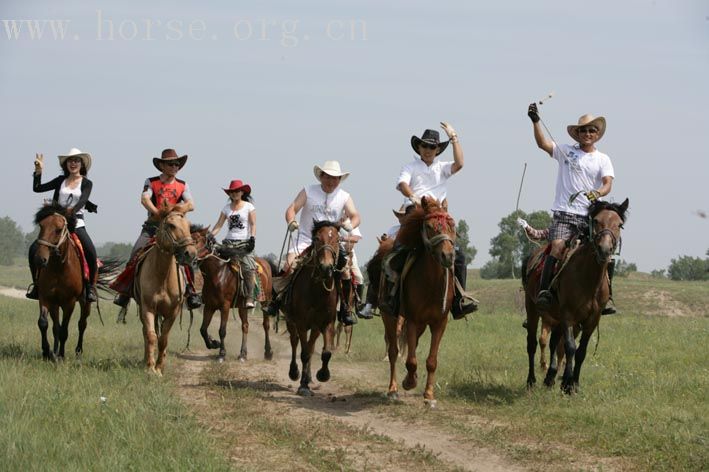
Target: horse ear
x,y
424,202
444,205
624,205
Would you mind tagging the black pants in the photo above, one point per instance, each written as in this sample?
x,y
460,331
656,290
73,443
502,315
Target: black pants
x,y
89,252
459,267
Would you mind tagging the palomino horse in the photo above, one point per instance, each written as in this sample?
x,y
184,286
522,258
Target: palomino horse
x,y
159,283
582,292
427,290
221,289
313,304
60,279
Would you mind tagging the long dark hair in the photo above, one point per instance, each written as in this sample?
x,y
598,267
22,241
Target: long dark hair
x,y
65,169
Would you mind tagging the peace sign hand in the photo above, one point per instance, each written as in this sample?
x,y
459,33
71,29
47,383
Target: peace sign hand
x,y
38,163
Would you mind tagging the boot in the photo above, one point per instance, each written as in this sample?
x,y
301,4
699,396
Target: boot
x,y
194,301
90,292
122,300
249,284
462,304
610,306
344,314
545,298
391,297
32,292
364,312
272,308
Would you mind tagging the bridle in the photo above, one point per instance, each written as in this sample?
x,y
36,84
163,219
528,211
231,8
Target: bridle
x,y
62,238
431,243
173,244
596,236
318,249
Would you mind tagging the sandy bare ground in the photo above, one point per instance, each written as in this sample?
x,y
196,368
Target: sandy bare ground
x,y
12,292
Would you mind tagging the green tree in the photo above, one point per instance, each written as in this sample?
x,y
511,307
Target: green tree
x,y
463,241
511,244
624,268
12,241
689,268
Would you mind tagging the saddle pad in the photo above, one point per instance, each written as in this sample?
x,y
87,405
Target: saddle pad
x,y
82,257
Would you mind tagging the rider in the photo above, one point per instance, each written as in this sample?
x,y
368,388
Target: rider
x,y
350,239
584,172
241,214
71,190
325,201
165,188
427,177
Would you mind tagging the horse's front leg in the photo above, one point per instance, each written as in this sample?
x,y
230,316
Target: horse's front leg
x,y
556,334
581,355
267,351
307,346
56,329
244,315
567,383
437,331
323,375
293,372
207,313
543,343
391,337
67,311
43,325
532,322
150,338
162,341
413,332
83,322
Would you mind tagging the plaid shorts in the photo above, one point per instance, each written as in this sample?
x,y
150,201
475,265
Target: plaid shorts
x,y
566,225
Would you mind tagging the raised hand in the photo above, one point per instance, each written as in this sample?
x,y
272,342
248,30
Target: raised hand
x,y
38,163
448,129
533,112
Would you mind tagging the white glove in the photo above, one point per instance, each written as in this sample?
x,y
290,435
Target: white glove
x,y
347,226
292,226
522,223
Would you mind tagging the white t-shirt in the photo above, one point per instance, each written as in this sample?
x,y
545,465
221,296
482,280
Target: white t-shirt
x,y
319,206
426,180
579,171
238,221
68,197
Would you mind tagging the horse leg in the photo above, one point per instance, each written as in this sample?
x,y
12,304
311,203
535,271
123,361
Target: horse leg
x,y
43,325
83,321
306,353
553,366
413,332
207,314
150,339
348,338
56,328
532,322
567,383
293,372
543,342
323,375
162,342
244,315
437,331
580,356
267,351
67,311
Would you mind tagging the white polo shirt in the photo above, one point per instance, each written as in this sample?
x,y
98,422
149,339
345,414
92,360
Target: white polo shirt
x,y
426,180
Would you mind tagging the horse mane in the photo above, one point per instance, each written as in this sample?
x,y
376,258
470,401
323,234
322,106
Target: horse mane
x,y
195,228
410,230
317,225
599,205
53,208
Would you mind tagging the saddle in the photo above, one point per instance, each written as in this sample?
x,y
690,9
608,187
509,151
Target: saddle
x,y
536,264
124,282
82,256
259,294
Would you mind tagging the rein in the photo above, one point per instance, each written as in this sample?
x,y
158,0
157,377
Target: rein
x,y
174,243
62,238
431,243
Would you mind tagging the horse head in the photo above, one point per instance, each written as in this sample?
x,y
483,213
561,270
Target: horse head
x,y
55,223
438,231
203,240
326,245
173,235
606,222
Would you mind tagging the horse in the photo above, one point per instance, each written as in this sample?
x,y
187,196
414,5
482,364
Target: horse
x,y
427,288
313,304
222,290
158,286
582,291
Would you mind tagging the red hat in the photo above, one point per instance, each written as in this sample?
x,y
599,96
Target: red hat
x,y
236,185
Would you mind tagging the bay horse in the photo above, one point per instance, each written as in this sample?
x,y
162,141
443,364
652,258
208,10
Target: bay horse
x,y
427,288
581,293
222,287
158,286
313,304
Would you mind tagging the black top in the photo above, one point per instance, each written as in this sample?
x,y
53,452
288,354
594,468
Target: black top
x,y
55,184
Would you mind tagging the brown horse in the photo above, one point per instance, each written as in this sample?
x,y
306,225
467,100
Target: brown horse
x,y
582,292
313,304
222,288
158,286
427,290
60,279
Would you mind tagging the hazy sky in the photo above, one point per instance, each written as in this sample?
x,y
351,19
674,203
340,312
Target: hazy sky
x,y
263,93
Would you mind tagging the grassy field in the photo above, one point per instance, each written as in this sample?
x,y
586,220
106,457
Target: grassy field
x,y
643,398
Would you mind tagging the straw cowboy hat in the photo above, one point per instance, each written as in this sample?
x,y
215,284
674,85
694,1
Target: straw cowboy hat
x,y
588,120
431,137
331,168
169,155
74,152
236,185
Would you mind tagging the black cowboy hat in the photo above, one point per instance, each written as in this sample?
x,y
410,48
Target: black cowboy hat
x,y
169,155
429,136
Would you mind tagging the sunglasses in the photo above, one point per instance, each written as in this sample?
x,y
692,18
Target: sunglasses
x,y
588,130
74,160
171,164
428,146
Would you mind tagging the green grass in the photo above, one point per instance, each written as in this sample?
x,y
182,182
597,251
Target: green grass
x,y
52,416
643,394
16,275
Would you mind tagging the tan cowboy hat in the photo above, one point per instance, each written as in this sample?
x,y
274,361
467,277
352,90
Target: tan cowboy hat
x,y
587,120
330,168
169,155
74,152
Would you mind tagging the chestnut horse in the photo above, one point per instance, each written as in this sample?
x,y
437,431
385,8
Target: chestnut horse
x,y
222,287
313,304
159,284
581,293
426,290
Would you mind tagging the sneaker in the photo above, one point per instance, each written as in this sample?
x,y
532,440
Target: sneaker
x,y
545,299
366,312
249,303
346,317
121,300
90,292
609,310
194,301
32,292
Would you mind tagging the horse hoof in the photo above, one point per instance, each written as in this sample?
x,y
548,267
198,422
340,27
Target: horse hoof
x,y
268,356
305,392
323,375
408,383
220,359
431,404
393,395
214,345
293,373
241,359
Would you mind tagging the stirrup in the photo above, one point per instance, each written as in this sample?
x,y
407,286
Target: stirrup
x,y
32,292
545,298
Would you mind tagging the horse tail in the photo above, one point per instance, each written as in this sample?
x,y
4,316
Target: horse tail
x,y
525,261
108,270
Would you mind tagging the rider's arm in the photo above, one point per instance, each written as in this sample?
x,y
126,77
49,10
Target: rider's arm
x,y
218,225
542,141
404,181
352,212
187,202
606,187
296,206
39,187
458,160
252,223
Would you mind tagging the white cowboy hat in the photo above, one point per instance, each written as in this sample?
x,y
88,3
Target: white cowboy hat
x,y
588,120
74,152
330,168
